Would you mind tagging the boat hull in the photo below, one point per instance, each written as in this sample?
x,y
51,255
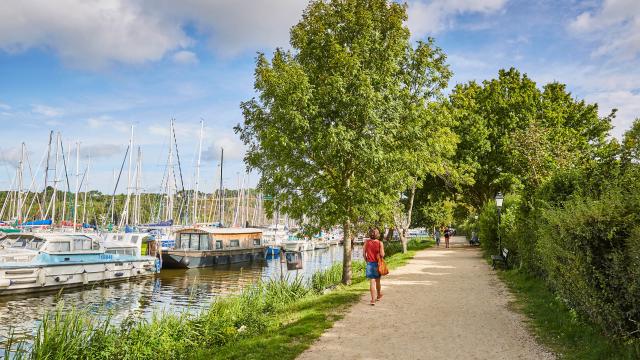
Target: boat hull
x,y
35,278
179,259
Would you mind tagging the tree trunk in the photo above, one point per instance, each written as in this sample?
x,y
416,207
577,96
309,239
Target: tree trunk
x,y
346,260
407,223
403,239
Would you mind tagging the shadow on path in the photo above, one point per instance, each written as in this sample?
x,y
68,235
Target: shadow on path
x,y
444,304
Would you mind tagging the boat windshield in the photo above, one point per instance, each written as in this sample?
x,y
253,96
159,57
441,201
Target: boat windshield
x,y
25,242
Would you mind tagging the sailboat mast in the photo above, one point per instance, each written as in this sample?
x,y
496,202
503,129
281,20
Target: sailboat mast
x,y
46,173
55,182
19,201
75,202
86,189
170,175
195,196
221,195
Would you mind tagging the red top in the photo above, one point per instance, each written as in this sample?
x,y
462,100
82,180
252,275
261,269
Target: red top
x,y
372,250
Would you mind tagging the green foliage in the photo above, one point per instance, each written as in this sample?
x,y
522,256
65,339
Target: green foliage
x,y
343,123
559,327
513,136
589,249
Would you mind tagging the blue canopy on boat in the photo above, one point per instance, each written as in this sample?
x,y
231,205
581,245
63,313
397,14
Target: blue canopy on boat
x,y
37,223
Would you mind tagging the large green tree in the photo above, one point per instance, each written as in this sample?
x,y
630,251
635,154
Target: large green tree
x,y
336,122
514,135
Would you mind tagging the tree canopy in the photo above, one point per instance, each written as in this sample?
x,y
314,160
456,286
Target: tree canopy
x,y
339,127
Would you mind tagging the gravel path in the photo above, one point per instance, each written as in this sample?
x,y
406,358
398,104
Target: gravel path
x,y
444,304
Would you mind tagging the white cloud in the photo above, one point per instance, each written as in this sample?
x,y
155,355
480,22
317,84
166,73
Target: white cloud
x,y
4,106
97,151
47,111
89,33
95,33
615,27
627,103
235,26
432,17
185,57
234,149
107,122
10,156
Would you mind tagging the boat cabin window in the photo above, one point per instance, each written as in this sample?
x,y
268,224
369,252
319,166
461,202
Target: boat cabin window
x,y
256,242
123,251
23,242
204,242
59,246
192,241
134,239
218,244
82,243
234,243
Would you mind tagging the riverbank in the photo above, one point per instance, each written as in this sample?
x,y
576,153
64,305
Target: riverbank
x,y
285,315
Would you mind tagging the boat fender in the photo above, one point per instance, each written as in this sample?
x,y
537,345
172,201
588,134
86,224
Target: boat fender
x,y
158,265
184,261
42,278
85,277
62,278
5,283
119,274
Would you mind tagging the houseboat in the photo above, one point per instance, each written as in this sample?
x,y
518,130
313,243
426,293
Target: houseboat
x,y
210,246
50,260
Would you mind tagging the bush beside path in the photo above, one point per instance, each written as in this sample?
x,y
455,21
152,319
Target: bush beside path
x,y
444,304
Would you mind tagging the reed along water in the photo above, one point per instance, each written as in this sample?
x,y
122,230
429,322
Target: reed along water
x,y
172,290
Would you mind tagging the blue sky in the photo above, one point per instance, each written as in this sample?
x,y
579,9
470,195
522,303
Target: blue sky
x,y
91,69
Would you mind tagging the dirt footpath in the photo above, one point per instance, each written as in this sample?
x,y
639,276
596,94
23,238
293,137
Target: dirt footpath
x,y
444,304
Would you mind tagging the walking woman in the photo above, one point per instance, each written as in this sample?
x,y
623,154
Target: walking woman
x,y
447,234
373,248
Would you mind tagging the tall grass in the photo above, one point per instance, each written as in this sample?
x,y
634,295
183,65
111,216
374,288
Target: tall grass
x,y
76,334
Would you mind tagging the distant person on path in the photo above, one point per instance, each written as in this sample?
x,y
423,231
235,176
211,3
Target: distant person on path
x,y
447,234
436,236
373,248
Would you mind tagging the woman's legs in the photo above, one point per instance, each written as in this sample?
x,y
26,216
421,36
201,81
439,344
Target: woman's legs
x,y
372,289
446,242
378,289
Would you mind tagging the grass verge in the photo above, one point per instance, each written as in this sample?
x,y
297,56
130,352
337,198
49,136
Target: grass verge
x,y
559,327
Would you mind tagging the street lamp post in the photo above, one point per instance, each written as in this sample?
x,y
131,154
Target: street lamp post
x,y
499,200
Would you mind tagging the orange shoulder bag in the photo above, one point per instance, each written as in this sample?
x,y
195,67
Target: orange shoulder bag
x,y
382,266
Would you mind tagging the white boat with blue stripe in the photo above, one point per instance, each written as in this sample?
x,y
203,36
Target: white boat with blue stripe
x,y
37,261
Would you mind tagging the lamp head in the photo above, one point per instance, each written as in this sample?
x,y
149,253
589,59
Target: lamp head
x,y
499,200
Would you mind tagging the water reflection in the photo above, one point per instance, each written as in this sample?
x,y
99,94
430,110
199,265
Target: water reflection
x,y
172,290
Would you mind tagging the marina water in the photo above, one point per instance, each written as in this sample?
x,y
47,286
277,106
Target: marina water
x,y
172,290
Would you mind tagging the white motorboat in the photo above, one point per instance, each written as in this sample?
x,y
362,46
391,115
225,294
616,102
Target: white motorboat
x,y
49,260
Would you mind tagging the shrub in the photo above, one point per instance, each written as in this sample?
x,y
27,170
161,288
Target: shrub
x,y
589,251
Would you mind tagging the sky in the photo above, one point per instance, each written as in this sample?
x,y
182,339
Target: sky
x,y
92,69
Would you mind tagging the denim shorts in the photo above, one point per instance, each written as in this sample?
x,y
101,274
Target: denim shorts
x,y
372,270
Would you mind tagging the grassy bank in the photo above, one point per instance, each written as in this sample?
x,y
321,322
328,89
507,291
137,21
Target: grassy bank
x,y
559,327
275,318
